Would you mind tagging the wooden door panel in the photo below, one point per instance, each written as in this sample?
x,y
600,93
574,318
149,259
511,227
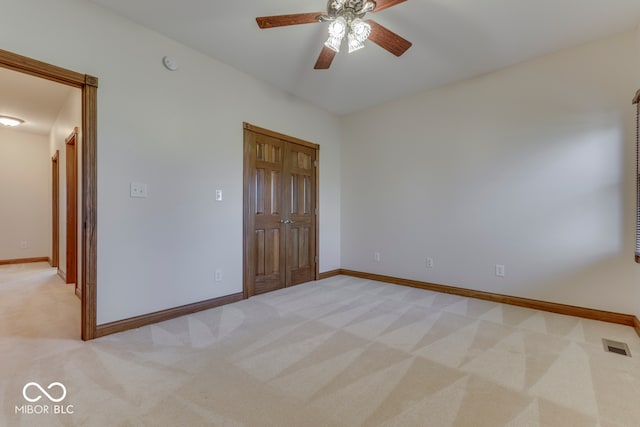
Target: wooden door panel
x,y
300,235
300,265
268,270
269,240
280,212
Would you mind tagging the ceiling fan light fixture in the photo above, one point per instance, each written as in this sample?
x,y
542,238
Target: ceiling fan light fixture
x,y
333,43
368,7
337,30
354,44
345,19
10,121
360,30
335,7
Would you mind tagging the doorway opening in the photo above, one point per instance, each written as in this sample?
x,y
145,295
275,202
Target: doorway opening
x,y
280,223
88,197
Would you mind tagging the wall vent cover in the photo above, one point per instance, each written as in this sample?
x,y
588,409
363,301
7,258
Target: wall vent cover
x,y
616,347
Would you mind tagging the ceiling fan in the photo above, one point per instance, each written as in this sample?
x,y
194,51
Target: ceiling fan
x,y
346,21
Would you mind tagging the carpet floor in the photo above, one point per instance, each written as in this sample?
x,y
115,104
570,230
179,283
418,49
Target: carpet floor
x,y
337,352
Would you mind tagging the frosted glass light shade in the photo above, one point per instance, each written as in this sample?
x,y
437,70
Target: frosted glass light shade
x,y
360,30
333,43
10,121
337,30
354,44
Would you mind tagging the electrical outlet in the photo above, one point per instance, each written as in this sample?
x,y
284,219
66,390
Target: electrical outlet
x,y
376,256
218,195
218,275
138,190
500,272
24,244
429,262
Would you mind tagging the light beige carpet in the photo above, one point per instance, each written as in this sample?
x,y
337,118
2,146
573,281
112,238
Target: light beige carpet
x,y
338,352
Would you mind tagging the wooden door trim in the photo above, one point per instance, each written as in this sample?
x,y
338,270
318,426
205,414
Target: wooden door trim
x,y
281,136
248,258
89,248
71,168
248,221
55,209
73,137
317,213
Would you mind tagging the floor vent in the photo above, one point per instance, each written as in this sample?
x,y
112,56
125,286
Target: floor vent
x,y
616,347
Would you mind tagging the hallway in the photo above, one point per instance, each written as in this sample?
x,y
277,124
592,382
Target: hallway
x,y
38,313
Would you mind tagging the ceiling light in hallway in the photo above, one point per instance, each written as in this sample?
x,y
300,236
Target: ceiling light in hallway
x,y
10,121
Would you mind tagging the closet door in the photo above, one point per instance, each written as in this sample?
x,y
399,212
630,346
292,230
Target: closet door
x,y
268,231
300,201
279,213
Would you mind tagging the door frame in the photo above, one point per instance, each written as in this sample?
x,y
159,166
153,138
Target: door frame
x,y
71,166
89,247
55,210
248,258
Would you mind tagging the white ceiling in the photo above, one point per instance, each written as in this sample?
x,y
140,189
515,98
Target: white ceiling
x,y
452,40
36,101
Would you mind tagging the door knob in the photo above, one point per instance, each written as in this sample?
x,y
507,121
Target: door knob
x,y
292,222
284,221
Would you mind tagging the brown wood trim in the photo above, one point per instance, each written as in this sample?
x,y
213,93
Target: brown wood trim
x,y
160,316
55,209
40,69
316,205
636,325
73,136
89,254
282,136
24,260
71,217
327,274
248,222
570,310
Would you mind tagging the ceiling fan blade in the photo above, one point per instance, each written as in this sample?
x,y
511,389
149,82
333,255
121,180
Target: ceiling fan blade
x,y
384,4
387,39
325,58
292,19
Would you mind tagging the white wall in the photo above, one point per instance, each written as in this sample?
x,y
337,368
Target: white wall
x,y
531,167
25,201
181,134
69,117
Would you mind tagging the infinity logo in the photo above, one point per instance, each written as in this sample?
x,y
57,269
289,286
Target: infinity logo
x,y
43,391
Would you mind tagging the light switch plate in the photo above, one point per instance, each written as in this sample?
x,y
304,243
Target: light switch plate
x,y
218,195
